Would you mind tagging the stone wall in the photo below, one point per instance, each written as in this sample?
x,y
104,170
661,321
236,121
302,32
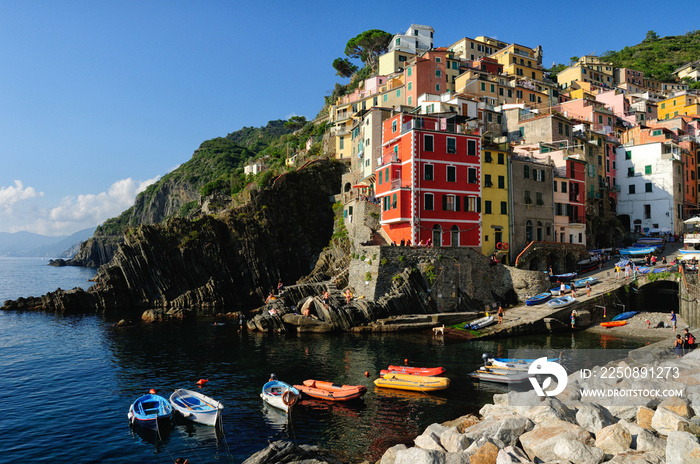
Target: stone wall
x,y
459,279
563,257
688,300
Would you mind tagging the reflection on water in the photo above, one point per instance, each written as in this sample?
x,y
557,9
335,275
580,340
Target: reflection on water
x,y
59,361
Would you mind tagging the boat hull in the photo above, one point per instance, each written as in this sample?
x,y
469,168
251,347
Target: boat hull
x,y
625,315
489,375
538,299
563,277
424,371
148,410
561,302
581,283
412,382
480,323
280,395
196,407
613,323
330,391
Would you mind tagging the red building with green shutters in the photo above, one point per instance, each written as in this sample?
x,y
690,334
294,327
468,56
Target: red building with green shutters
x,y
428,181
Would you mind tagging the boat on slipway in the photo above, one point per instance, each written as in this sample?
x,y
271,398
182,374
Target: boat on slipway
x,y
557,290
568,277
538,299
581,283
561,302
480,323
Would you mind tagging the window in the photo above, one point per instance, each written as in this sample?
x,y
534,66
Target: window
x,y
487,207
647,211
451,145
393,201
487,181
647,187
554,185
563,187
451,174
493,88
428,202
437,58
647,169
483,86
501,158
428,172
386,96
527,198
504,207
428,142
450,203
341,143
566,130
628,155
471,147
540,201
631,189
501,182
393,126
526,171
410,72
410,86
471,176
437,87
487,157
630,172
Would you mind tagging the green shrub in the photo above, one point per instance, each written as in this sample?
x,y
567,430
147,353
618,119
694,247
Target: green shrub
x,y
368,276
383,261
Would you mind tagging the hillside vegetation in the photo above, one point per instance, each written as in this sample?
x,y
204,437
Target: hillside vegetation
x,y
657,57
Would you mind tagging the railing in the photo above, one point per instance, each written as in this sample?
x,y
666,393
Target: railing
x,y
384,160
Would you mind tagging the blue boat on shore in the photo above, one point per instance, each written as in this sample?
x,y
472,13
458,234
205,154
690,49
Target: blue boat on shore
x,y
568,277
581,283
641,251
538,299
625,315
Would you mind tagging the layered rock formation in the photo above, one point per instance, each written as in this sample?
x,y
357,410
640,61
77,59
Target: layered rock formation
x,y
229,260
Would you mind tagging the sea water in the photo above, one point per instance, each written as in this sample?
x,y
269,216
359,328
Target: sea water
x,y
67,382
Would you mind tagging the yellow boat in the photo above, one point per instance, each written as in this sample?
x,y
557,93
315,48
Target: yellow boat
x,y
412,382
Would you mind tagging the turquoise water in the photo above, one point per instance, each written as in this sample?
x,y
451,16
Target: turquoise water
x,y
67,384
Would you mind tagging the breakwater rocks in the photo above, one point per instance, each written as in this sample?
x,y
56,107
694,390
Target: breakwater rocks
x,y
571,428
227,260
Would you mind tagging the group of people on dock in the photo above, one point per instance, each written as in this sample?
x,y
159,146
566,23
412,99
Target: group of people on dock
x,y
684,343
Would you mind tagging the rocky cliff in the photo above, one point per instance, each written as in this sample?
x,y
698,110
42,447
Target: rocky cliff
x,y
228,260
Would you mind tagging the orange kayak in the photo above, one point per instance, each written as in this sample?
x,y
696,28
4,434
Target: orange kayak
x,y
613,323
424,371
331,391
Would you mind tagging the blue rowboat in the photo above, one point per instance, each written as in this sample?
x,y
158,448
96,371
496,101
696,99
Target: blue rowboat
x,y
538,299
147,410
636,251
556,291
625,315
581,283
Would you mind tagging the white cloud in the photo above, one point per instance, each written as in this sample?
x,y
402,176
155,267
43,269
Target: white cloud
x,y
72,213
13,195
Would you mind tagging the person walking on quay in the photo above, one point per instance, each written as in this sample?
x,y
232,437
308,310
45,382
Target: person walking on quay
x,y
617,271
673,320
573,318
688,340
500,314
627,271
588,289
562,289
573,290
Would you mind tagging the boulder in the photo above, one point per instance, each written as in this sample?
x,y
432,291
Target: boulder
x,y
551,408
486,454
593,417
647,441
665,421
512,455
419,456
389,455
463,422
576,451
637,457
453,441
682,447
506,428
284,451
679,406
644,416
430,438
613,439
539,442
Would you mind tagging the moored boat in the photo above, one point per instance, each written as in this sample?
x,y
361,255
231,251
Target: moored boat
x,y
561,302
412,382
589,264
580,283
280,395
196,407
625,315
491,375
331,391
424,371
511,363
148,410
538,299
637,251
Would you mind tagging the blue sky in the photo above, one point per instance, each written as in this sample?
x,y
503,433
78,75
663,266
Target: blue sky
x,y
98,99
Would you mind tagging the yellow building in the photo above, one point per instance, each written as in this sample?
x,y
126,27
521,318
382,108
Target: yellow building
x,y
588,69
681,104
495,212
394,60
520,61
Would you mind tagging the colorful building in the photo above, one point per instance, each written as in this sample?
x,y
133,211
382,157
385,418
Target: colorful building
x,y
680,104
495,211
428,181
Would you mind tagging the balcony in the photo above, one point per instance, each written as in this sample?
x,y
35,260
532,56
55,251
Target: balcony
x,y
384,160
